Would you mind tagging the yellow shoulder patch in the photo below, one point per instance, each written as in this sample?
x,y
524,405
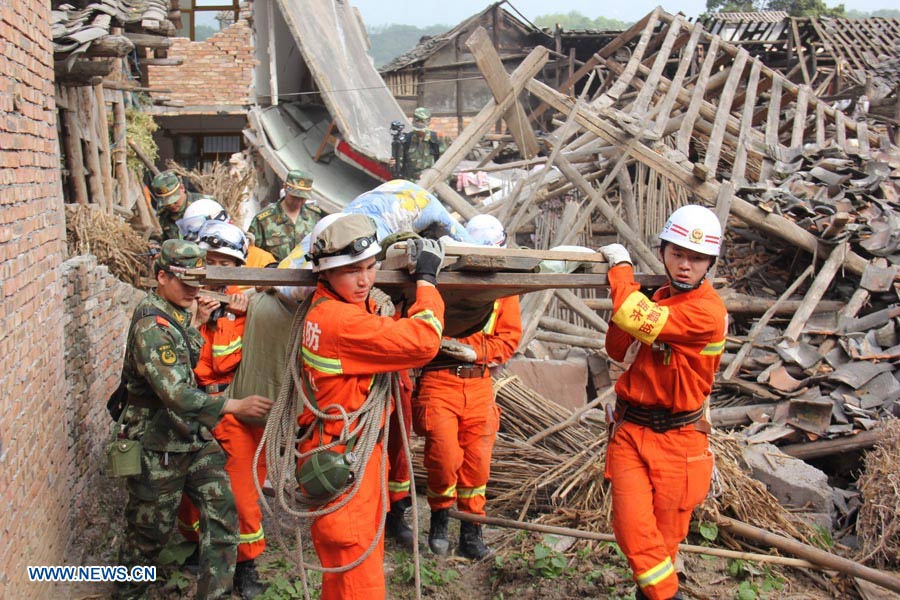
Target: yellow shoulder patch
x,y
264,214
166,354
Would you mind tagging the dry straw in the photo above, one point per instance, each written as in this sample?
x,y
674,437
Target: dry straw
x,y
90,230
878,524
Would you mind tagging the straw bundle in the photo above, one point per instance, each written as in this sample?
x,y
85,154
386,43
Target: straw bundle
x,y
229,185
90,230
878,524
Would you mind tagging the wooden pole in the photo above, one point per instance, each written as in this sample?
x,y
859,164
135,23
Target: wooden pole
x,y
119,150
608,537
823,559
72,141
105,164
91,145
818,449
816,291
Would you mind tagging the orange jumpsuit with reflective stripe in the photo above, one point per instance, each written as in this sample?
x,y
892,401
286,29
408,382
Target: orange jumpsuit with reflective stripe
x,y
658,478
460,419
219,359
398,478
344,345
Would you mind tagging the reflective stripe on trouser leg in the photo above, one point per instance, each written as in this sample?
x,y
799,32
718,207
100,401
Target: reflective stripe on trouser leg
x,y
398,467
344,535
239,441
477,431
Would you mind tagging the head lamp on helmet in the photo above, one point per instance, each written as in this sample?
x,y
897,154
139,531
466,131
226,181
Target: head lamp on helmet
x,y
224,238
342,239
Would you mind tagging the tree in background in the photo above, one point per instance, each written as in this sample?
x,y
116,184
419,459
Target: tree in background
x,y
390,41
576,20
886,13
795,8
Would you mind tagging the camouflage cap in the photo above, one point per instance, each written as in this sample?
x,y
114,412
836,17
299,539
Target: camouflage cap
x,y
177,255
165,187
298,183
421,118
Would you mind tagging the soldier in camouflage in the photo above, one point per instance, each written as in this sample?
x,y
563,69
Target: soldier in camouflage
x,y
421,148
172,200
172,419
280,227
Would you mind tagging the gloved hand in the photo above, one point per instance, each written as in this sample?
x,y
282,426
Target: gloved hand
x,y
425,258
458,350
615,254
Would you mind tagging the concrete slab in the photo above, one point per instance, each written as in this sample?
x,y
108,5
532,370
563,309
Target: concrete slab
x,y
794,482
563,381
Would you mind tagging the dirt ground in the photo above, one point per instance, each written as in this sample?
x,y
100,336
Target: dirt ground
x,y
526,566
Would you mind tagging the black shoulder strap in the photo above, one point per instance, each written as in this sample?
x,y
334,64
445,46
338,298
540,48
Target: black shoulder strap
x,y
435,144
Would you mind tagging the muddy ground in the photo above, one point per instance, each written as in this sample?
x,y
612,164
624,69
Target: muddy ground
x,y
526,566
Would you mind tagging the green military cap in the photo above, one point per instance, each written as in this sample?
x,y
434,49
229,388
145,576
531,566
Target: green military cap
x,y
298,183
421,118
165,187
177,255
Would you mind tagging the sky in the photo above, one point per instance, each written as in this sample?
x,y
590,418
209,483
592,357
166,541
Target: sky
x,y
450,12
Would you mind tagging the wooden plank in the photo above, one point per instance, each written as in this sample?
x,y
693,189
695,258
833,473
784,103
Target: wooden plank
x,y
820,125
621,84
515,283
687,56
497,79
662,58
447,194
773,118
739,168
714,148
273,66
611,133
105,158
147,40
840,132
72,143
816,291
484,120
797,43
92,148
687,124
800,117
634,238
862,133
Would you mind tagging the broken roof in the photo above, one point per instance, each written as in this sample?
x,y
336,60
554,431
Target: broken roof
x,y
331,39
75,29
429,45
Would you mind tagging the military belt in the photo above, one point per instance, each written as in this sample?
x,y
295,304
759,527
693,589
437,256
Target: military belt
x,y
659,420
215,388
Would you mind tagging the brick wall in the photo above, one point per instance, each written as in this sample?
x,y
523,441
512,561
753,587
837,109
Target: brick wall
x,y
33,477
216,71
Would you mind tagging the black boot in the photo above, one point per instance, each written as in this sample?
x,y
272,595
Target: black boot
x,y
246,580
395,525
639,595
471,545
438,536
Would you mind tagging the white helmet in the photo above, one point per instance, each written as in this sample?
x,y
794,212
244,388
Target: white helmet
x,y
695,228
223,238
486,230
197,213
342,239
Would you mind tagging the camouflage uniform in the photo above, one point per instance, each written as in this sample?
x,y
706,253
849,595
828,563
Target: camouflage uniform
x,y
422,147
172,419
273,230
166,188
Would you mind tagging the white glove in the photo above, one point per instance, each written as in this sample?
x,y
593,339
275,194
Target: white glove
x,y
458,350
615,254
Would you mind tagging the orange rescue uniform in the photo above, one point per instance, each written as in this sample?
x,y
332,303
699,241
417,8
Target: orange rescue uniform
x,y
344,345
459,418
659,478
219,359
398,479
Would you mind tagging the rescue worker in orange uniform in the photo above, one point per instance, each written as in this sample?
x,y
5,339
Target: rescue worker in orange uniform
x,y
658,458
345,346
454,410
395,525
222,328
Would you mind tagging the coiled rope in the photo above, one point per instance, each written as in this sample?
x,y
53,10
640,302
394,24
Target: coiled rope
x,y
281,441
